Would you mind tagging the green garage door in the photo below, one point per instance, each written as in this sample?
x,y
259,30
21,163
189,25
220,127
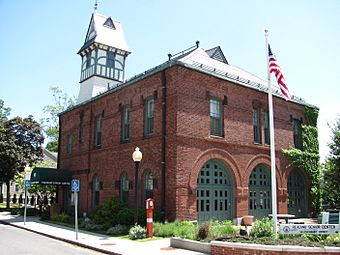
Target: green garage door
x,y
259,192
214,192
297,194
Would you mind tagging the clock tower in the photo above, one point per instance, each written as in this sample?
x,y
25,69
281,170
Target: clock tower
x,y
103,57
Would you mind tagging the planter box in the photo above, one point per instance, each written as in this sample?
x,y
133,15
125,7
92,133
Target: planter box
x,y
190,245
226,248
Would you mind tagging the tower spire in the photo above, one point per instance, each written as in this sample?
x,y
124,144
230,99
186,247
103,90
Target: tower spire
x,y
95,6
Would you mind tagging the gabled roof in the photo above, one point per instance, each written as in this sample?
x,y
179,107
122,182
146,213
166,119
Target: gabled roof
x,y
106,31
200,58
217,53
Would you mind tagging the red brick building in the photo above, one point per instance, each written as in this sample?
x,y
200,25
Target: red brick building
x,y
202,126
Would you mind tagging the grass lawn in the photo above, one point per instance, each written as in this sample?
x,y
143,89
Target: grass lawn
x,y
3,205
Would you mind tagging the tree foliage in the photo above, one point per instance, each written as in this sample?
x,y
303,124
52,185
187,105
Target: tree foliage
x,y
331,170
4,112
61,102
20,145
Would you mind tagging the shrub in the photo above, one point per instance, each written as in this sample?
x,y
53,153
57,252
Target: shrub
x,y
105,213
137,232
182,229
203,231
45,215
164,229
29,212
220,229
63,218
118,230
262,228
15,211
186,230
125,217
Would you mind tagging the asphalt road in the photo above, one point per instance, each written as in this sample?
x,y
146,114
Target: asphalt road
x,y
15,241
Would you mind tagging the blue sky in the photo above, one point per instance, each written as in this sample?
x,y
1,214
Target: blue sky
x,y
40,39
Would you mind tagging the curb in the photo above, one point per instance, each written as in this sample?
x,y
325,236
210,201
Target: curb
x,y
62,239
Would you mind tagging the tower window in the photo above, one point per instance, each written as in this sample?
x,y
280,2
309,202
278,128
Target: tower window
x,y
110,60
88,59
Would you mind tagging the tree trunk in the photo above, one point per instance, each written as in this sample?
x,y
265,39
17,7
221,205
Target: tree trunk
x,y
8,199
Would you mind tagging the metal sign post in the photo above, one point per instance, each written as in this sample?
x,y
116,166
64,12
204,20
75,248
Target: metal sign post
x,y
27,185
75,189
76,213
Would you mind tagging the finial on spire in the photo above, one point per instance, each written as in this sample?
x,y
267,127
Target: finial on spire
x,y
95,6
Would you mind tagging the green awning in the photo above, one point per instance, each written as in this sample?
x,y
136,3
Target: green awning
x,y
43,175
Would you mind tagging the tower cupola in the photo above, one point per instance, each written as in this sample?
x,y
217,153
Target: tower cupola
x,y
103,57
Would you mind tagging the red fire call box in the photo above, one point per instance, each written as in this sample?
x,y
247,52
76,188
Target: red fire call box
x,y
149,216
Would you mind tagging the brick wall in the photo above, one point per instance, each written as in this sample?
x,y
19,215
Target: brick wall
x,y
236,249
188,141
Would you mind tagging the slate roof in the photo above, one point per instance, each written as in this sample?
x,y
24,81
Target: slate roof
x,y
107,31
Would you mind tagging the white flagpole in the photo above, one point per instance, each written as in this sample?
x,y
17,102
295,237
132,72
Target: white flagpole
x,y
272,142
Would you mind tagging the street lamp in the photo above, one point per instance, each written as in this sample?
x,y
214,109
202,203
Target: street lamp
x,y
137,157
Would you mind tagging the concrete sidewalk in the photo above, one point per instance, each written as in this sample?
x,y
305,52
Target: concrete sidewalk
x,y
101,243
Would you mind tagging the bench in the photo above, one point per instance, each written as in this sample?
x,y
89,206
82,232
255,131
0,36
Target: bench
x,y
285,217
330,217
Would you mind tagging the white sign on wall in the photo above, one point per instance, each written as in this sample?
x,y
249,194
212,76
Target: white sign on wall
x,y
293,229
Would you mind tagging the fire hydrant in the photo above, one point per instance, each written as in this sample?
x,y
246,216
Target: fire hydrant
x,y
149,216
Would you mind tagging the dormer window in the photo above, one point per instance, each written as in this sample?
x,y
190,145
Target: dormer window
x,y
109,23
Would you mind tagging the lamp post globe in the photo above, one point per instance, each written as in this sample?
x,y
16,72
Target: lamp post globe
x,y
137,157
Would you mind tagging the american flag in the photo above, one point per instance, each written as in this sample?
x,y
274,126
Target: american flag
x,y
276,69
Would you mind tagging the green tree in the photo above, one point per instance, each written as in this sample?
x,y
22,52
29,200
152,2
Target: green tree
x,y
51,123
20,145
4,113
331,170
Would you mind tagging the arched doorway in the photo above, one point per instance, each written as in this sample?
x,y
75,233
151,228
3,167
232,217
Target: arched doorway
x,y
260,192
214,192
297,194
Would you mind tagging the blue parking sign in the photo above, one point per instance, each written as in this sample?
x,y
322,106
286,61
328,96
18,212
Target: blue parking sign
x,y
27,183
75,185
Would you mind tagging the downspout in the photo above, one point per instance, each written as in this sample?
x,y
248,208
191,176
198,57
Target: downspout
x,y
89,161
163,152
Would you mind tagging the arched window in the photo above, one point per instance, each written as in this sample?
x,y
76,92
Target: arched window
x,y
124,188
95,191
147,185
